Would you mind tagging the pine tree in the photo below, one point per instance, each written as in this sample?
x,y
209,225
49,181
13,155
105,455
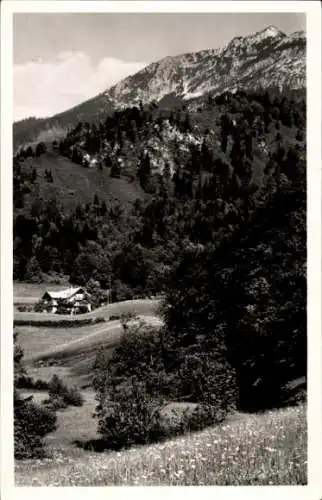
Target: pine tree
x,y
225,128
103,208
33,175
144,170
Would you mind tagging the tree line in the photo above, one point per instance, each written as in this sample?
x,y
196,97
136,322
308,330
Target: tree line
x,y
211,191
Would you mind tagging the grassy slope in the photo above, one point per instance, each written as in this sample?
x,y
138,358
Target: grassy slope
x,y
73,184
66,431
71,352
38,341
73,362
264,449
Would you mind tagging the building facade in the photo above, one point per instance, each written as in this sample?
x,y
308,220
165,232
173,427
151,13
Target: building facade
x,y
68,301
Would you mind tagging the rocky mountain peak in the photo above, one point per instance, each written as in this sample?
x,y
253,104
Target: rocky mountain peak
x,y
266,59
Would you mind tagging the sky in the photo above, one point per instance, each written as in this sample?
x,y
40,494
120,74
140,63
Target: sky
x,y
62,59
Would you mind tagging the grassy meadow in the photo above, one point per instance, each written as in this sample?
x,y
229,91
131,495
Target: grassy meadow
x,y
261,449
68,352
75,184
247,449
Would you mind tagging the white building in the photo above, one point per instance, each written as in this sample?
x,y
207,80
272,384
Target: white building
x,y
72,300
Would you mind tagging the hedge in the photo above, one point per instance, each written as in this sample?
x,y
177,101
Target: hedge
x,y
66,323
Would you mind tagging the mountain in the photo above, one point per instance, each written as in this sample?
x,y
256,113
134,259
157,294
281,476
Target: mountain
x,y
266,59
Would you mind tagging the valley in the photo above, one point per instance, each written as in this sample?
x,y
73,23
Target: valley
x,y
173,205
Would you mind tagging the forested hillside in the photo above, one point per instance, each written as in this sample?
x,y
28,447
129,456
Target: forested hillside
x,y
235,294
163,181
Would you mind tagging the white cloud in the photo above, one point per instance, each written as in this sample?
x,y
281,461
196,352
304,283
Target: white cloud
x,y
45,88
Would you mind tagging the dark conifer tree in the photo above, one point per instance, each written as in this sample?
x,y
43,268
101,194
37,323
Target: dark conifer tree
x,y
103,208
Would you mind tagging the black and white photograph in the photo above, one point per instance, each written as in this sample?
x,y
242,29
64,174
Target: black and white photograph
x,y
158,246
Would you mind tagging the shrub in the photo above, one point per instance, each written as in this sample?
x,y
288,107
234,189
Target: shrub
x,y
176,419
39,307
126,318
26,382
138,354
134,417
121,291
210,380
40,385
133,384
63,323
172,420
70,396
56,387
98,296
203,416
41,148
114,317
74,397
22,308
130,418
55,403
31,423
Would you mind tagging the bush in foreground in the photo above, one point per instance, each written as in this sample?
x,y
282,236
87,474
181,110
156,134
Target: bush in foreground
x,y
136,385
129,418
31,423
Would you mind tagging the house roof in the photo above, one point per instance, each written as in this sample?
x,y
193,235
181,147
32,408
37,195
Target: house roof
x,y
64,294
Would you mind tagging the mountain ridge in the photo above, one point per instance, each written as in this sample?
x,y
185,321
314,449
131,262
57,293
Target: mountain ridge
x,y
266,59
